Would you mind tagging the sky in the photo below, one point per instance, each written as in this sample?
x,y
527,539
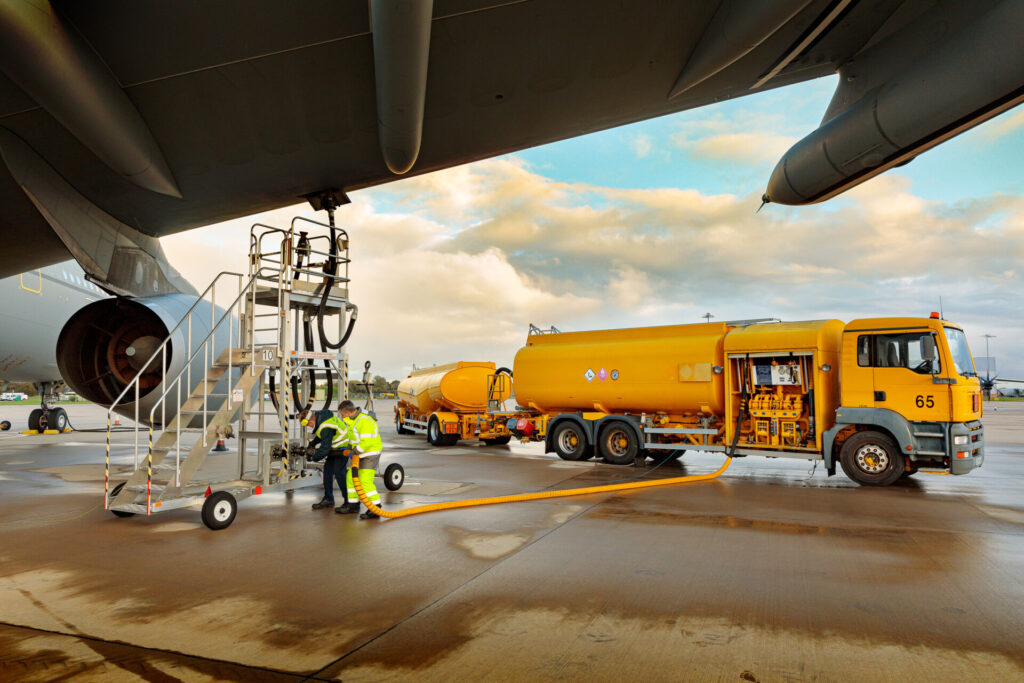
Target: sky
x,y
656,223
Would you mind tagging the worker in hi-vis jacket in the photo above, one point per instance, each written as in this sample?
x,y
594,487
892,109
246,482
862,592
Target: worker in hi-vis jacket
x,y
330,444
364,438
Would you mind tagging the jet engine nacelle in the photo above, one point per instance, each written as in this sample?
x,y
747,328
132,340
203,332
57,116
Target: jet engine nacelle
x,y
107,343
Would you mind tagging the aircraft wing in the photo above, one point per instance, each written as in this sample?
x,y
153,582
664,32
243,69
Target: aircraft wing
x,y
171,115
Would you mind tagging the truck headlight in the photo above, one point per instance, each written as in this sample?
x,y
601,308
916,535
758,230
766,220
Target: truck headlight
x,y
961,440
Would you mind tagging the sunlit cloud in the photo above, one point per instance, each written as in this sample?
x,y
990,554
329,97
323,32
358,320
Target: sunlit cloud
x,y
444,273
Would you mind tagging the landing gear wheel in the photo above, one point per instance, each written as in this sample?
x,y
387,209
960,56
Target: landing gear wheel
x,y
113,494
219,510
872,459
4,426
58,419
434,435
38,420
618,444
570,441
500,441
394,477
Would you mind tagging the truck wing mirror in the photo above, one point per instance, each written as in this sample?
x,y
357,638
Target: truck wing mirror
x,y
928,347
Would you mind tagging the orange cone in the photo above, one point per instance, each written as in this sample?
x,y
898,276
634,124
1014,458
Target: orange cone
x,y
220,447
117,419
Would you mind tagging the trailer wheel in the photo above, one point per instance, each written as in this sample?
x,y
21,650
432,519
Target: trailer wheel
x,y
400,427
5,425
500,441
394,477
113,494
872,458
434,435
618,444
570,441
219,510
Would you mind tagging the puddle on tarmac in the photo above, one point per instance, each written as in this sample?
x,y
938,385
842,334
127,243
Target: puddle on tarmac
x,y
75,473
176,526
489,546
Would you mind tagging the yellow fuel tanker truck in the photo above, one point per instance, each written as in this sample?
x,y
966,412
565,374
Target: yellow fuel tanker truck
x,y
882,397
453,402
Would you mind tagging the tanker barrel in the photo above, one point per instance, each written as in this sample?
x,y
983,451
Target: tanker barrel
x,y
460,387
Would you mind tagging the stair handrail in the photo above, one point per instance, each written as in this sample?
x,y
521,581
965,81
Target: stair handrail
x,y
136,380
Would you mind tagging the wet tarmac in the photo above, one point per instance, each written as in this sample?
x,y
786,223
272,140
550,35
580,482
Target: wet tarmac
x,y
770,573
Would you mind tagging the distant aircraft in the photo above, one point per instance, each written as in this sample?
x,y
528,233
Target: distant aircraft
x,y
121,125
33,308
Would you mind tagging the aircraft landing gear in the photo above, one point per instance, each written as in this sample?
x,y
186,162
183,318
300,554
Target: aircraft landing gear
x,y
46,416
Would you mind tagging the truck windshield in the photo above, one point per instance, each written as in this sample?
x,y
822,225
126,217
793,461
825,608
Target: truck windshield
x,y
961,353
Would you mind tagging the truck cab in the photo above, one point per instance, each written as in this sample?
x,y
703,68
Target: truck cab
x,y
910,399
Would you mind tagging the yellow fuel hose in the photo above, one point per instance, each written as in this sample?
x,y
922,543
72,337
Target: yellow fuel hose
x,y
518,498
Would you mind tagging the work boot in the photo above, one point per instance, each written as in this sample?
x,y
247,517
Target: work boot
x,y
347,508
323,504
370,514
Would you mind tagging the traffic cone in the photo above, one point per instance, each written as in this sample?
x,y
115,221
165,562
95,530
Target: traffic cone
x,y
117,420
220,447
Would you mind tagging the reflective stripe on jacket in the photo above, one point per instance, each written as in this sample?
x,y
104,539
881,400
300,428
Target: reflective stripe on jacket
x,y
339,439
364,435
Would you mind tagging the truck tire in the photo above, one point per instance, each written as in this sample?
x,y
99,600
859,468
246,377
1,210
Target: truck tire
x,y
434,435
570,441
872,458
500,441
618,444
660,456
400,428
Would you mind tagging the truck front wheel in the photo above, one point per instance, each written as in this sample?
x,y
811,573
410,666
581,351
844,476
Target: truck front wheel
x,y
872,459
569,441
618,444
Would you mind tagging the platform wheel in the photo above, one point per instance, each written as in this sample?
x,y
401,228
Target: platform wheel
x,y
219,510
872,458
618,444
113,494
394,477
569,441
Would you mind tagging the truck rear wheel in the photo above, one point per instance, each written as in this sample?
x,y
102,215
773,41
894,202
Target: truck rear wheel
x,y
434,435
872,458
400,427
618,444
569,441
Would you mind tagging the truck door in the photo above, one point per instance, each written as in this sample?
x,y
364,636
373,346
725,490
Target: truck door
x,y
906,365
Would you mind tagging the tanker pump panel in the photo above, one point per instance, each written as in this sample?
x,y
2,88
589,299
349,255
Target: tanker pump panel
x,y
450,402
675,369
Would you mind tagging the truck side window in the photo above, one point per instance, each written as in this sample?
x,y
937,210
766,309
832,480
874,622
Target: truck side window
x,y
864,351
914,351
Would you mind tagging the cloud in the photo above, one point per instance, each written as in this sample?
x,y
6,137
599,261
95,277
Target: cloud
x,y
642,144
454,265
1004,125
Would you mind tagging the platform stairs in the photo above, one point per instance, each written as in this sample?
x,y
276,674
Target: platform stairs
x,y
219,390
